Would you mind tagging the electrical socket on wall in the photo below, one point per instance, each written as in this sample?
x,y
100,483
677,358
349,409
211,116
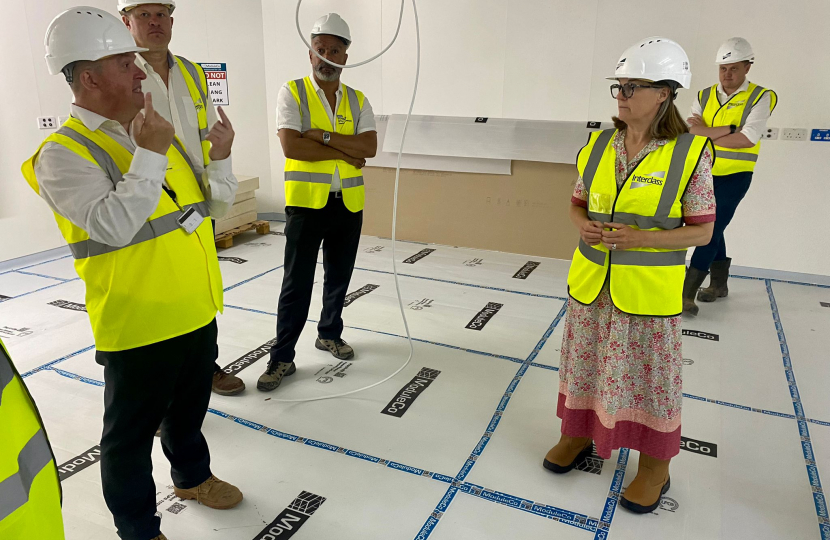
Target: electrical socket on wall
x,y
47,122
794,134
770,134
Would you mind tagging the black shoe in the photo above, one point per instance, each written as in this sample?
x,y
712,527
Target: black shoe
x,y
272,377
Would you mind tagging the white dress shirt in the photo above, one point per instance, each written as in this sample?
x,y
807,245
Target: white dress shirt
x,y
289,117
81,191
756,122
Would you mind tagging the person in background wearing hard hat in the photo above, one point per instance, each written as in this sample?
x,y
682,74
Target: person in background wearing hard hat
x,y
30,488
644,196
327,131
129,203
180,90
734,115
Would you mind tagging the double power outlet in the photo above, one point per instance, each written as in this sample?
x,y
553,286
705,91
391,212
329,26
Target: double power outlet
x,y
787,134
50,122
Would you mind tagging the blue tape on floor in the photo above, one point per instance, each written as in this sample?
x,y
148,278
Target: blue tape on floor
x,y
34,265
443,505
77,377
251,279
803,430
49,365
42,276
768,280
41,289
604,525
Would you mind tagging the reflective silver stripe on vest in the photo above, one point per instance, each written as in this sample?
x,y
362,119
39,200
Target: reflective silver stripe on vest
x,y
740,156
594,255
14,490
595,157
149,231
347,183
645,222
6,372
595,216
649,258
750,103
704,99
304,111
194,73
314,178
674,178
104,160
354,105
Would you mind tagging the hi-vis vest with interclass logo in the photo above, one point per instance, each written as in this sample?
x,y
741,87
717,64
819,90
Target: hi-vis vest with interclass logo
x,y
643,281
194,77
30,492
163,284
735,111
307,183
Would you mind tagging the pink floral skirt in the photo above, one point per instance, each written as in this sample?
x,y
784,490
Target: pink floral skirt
x,y
620,379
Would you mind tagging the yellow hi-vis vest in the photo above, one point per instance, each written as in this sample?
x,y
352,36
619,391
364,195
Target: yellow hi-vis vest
x,y
643,281
308,183
735,111
196,81
163,284
30,491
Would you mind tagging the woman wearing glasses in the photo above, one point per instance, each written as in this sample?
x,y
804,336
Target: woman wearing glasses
x,y
643,197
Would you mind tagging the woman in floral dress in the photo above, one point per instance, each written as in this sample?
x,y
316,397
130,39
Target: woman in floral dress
x,y
620,371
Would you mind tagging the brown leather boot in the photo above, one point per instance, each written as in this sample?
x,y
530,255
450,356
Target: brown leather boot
x,y
213,493
226,384
652,482
568,453
694,279
717,285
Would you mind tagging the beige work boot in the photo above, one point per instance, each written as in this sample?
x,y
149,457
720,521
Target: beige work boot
x,y
652,482
213,493
337,347
273,375
568,453
159,537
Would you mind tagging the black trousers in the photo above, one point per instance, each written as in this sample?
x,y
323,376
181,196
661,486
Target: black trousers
x,y
730,190
166,383
338,230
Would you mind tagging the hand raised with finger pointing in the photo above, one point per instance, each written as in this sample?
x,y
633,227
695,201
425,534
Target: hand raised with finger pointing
x,y
151,131
221,137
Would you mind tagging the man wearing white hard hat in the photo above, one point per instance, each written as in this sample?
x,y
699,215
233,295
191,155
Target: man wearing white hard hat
x,y
644,195
327,131
180,90
734,115
130,204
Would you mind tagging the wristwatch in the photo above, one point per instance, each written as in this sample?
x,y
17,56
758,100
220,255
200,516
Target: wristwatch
x,y
733,128
327,137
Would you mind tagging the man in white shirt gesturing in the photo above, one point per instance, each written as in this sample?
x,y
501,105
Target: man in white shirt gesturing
x,y
179,88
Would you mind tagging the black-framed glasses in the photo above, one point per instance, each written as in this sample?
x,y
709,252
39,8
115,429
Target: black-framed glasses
x,y
628,89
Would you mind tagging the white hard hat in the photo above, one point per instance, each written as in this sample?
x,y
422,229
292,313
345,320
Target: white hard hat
x,y
655,59
85,33
736,49
127,6
331,24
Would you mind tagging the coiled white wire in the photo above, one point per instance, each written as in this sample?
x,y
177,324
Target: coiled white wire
x,y
397,181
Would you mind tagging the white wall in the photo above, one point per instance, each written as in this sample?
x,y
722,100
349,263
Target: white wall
x,y
548,59
535,59
204,31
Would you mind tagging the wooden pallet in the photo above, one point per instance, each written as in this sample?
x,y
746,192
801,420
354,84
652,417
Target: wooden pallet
x,y
225,239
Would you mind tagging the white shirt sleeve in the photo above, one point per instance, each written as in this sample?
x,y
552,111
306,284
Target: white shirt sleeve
x,y
756,122
696,109
366,122
288,110
81,192
222,186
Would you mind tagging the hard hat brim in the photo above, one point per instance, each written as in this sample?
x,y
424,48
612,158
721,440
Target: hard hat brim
x,y
56,65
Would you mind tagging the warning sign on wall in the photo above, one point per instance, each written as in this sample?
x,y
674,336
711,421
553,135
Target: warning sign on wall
x,y
217,80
